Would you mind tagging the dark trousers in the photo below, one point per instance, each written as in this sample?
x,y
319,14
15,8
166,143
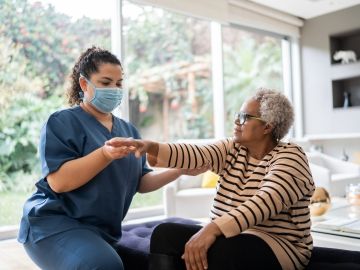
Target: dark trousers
x,y
244,251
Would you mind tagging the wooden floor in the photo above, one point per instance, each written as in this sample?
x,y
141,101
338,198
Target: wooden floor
x,y
14,257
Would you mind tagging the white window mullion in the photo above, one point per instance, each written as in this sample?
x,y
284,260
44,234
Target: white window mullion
x,y
217,80
286,67
297,87
287,77
117,47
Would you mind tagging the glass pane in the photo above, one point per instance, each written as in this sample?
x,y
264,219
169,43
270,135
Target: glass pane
x,y
167,59
39,42
251,60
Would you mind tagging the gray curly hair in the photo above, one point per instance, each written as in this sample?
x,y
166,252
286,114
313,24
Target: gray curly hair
x,y
276,110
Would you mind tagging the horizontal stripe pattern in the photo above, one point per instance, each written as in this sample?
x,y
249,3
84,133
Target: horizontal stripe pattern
x,y
270,197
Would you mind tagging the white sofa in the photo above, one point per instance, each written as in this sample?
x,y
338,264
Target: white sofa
x,y
333,174
186,198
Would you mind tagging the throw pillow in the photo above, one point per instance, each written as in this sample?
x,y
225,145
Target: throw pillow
x,y
209,180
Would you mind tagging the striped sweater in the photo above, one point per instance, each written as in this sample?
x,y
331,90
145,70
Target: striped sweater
x,y
268,198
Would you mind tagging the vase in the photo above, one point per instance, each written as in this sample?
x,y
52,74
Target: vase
x,y
347,99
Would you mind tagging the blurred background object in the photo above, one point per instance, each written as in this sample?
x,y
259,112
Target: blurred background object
x,y
320,202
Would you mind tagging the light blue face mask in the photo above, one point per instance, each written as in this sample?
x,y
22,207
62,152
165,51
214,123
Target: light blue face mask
x,y
105,99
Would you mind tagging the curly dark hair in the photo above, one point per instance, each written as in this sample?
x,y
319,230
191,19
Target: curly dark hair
x,y
87,64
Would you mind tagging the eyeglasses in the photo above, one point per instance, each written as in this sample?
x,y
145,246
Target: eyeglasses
x,y
242,117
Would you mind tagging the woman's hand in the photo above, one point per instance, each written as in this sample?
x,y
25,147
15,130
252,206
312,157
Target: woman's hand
x,y
118,150
140,147
195,254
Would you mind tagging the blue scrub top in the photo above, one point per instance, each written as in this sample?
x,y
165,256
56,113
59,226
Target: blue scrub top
x,y
102,203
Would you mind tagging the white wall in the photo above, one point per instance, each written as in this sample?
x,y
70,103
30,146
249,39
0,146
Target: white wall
x,y
319,115
331,129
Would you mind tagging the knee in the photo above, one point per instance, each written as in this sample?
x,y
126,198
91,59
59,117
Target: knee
x,y
160,237
162,231
105,263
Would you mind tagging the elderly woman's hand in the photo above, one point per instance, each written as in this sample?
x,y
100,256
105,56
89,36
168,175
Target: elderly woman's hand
x,y
195,254
118,150
140,147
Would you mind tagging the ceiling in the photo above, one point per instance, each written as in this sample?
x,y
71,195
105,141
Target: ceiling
x,y
307,9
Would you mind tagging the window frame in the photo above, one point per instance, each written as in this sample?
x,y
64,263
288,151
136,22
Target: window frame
x,y
291,75
291,64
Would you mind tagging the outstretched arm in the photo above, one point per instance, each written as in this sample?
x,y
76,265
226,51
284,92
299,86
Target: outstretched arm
x,y
181,155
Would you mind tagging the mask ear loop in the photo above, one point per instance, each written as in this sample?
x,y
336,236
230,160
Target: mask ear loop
x,y
81,93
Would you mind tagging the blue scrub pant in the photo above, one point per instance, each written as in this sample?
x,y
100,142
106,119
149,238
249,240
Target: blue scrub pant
x,y
81,249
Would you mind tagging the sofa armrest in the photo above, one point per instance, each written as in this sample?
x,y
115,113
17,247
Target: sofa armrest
x,y
321,176
169,195
340,166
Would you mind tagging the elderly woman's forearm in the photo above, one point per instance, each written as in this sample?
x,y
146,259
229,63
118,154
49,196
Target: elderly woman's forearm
x,y
152,148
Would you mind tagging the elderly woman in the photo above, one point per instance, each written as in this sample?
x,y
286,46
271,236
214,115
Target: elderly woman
x,y
260,216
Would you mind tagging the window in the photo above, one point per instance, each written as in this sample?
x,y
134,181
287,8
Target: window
x,y
168,70
167,59
168,74
251,60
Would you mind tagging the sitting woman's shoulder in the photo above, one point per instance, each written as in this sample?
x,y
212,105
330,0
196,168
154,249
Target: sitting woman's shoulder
x,y
290,148
64,114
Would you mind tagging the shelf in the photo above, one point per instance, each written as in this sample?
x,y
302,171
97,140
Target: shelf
x,y
350,109
345,78
349,88
344,42
345,71
340,136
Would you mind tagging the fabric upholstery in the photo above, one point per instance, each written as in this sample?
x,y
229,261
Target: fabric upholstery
x,y
333,174
188,181
134,247
330,258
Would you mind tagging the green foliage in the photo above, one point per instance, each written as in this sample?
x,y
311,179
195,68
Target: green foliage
x,y
12,79
38,48
158,37
50,40
20,126
250,61
19,118
159,41
147,199
200,124
11,204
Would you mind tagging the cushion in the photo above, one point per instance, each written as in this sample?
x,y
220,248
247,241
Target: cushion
x,y
194,192
134,248
209,179
134,245
333,259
